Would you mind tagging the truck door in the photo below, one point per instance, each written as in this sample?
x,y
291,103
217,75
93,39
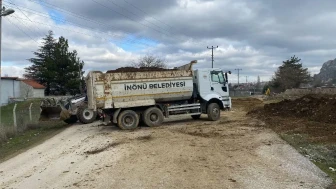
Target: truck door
x,y
218,83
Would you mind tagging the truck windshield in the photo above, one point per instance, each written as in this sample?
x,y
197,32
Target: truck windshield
x,y
217,76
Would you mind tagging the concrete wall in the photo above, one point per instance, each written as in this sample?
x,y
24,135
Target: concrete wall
x,y
10,88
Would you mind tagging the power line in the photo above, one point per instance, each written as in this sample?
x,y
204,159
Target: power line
x,y
238,74
44,24
144,12
129,41
52,6
111,1
18,27
54,18
212,56
24,24
17,7
128,17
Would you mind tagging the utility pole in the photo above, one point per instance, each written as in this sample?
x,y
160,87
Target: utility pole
x,y
246,78
238,69
3,12
212,56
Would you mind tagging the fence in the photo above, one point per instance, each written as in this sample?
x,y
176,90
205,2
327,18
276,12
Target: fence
x,y
243,93
16,118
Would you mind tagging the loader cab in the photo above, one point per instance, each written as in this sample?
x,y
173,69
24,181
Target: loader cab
x,y
213,84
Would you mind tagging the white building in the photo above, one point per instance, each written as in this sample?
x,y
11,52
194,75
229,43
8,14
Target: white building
x,y
10,88
31,89
13,88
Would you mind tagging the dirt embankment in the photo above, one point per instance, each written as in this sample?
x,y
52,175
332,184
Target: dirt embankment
x,y
314,116
315,108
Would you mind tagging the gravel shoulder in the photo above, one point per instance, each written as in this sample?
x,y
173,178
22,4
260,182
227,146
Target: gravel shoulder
x,y
234,152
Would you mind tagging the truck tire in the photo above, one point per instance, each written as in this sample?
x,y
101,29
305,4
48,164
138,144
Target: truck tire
x,y
86,115
153,117
73,119
196,116
213,112
128,119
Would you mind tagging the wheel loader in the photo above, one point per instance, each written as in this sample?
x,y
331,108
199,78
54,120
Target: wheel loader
x,y
68,109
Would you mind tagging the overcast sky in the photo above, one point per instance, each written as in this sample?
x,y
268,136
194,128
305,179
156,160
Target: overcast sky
x,y
252,35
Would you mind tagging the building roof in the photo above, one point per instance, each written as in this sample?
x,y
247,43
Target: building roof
x,y
10,78
33,83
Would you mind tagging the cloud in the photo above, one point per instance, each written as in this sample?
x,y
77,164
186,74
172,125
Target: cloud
x,y
255,36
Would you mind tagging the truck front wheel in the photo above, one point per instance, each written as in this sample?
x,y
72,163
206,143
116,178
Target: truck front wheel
x,y
128,119
153,117
213,112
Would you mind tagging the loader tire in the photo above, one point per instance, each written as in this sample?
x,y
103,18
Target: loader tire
x,y
86,115
73,119
128,120
153,117
213,112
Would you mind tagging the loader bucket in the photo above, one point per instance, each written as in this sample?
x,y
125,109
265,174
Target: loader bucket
x,y
52,113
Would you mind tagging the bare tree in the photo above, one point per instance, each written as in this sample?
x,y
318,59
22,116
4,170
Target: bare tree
x,y
150,61
26,90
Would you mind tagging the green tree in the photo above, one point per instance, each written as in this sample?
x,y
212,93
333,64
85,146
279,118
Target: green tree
x,y
43,64
290,74
55,67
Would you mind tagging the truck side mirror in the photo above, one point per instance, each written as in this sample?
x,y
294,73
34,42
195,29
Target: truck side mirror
x,y
226,77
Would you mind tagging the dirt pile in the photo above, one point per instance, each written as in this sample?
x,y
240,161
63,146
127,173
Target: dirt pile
x,y
315,108
246,103
133,69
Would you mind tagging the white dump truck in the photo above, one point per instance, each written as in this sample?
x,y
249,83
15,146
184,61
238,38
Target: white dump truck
x,y
128,97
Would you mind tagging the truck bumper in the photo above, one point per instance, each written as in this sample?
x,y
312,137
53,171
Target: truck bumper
x,y
226,102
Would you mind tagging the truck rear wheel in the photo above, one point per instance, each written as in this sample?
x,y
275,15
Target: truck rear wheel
x,y
86,115
213,112
128,119
153,117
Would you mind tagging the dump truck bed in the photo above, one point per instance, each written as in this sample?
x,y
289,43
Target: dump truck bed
x,y
127,89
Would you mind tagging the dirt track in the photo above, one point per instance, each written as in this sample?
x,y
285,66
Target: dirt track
x,y
234,152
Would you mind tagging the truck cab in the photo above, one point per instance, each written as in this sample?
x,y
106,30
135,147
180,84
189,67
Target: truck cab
x,y
212,86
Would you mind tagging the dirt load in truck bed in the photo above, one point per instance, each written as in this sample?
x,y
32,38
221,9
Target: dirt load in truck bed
x,y
141,69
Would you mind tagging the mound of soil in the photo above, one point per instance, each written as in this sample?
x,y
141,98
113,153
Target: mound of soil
x,y
315,108
246,103
141,69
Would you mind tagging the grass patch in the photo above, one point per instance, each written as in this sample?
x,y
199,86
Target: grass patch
x,y
326,168
28,139
7,111
7,129
322,155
